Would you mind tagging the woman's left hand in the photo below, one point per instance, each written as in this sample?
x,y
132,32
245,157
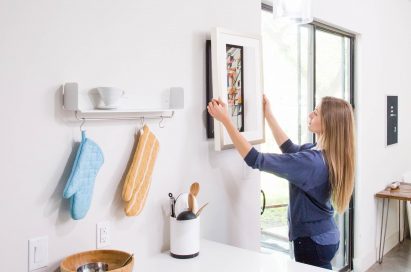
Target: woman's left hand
x,y
218,110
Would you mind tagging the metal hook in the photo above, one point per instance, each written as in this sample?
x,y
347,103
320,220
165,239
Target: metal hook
x,y
142,122
82,123
161,121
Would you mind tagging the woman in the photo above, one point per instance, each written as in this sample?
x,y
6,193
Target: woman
x,y
318,173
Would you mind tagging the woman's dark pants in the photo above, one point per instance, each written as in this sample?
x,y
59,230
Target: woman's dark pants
x,y
308,252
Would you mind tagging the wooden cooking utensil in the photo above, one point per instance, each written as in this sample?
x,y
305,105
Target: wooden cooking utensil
x,y
195,188
128,259
201,209
190,202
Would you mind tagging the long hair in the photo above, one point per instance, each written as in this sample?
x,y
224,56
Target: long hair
x,y
338,143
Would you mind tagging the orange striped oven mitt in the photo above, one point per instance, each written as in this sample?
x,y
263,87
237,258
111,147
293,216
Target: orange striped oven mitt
x,y
138,179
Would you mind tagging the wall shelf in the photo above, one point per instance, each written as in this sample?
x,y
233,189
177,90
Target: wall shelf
x,y
83,104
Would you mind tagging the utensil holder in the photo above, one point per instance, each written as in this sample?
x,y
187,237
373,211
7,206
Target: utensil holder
x,y
184,238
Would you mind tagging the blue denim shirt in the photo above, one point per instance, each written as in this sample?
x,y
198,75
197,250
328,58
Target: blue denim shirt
x,y
329,238
310,210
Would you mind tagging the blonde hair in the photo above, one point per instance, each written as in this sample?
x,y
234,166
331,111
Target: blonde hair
x,y
338,143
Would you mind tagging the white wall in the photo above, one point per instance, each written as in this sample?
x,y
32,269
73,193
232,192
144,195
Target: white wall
x,y
144,47
383,58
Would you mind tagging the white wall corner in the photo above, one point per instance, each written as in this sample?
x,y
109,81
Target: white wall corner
x,y
364,262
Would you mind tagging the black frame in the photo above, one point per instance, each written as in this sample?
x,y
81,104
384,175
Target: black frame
x,y
209,90
324,27
209,87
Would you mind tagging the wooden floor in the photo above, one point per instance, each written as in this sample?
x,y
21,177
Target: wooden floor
x,y
397,260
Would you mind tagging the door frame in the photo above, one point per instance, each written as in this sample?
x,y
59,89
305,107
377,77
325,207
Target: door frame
x,y
317,25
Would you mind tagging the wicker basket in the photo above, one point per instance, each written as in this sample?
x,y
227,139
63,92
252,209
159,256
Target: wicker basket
x,y
114,259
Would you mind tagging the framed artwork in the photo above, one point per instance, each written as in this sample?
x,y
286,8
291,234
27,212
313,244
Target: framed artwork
x,y
235,90
234,74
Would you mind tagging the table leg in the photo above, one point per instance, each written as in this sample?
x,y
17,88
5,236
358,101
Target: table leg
x,y
404,214
382,238
399,221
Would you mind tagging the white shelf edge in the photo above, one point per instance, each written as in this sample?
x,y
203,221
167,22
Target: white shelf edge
x,y
71,102
136,111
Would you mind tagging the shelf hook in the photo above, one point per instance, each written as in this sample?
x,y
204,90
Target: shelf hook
x,y
142,122
161,121
82,123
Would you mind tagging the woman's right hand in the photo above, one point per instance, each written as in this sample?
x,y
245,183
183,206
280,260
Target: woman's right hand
x,y
279,135
266,107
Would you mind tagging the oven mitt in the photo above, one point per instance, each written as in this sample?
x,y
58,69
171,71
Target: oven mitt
x,y
138,179
80,184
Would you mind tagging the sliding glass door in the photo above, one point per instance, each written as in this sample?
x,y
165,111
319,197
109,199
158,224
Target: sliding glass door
x,y
302,64
332,64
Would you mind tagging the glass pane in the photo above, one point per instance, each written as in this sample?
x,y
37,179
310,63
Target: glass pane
x,y
332,78
332,65
306,82
281,84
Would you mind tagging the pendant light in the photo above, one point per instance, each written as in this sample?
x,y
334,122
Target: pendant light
x,y
297,11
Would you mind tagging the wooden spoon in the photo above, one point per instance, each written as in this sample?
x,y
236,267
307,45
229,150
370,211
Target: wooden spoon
x,y
127,261
195,188
190,202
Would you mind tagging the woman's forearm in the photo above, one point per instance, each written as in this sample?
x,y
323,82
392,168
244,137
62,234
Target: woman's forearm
x,y
240,143
279,135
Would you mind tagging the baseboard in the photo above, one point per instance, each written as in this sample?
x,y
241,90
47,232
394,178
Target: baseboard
x,y
365,261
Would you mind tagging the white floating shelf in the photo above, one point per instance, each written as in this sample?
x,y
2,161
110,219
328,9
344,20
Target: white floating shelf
x,y
84,103
124,111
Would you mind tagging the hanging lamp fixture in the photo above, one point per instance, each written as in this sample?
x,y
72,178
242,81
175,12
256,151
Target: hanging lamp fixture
x,y
297,11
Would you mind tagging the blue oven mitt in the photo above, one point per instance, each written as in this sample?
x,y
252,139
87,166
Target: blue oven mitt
x,y
80,184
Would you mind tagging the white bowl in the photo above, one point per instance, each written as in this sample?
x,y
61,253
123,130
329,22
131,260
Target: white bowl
x,y
110,96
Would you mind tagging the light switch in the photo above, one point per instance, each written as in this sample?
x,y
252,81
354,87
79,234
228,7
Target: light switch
x,y
38,253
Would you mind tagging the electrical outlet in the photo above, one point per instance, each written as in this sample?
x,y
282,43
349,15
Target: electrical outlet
x,y
38,253
103,234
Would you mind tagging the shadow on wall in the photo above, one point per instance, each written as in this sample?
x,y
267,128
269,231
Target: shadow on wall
x,y
56,201
117,203
230,187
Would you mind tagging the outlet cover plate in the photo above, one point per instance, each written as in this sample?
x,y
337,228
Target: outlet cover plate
x,y
103,234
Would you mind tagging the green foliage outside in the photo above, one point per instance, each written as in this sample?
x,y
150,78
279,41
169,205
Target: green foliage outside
x,y
276,192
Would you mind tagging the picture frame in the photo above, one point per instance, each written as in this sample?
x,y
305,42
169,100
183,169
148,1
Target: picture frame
x,y
209,90
234,74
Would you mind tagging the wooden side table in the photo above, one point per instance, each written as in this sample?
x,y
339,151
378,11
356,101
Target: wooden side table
x,y
403,193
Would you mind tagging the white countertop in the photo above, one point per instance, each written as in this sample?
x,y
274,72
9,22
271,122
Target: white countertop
x,y
216,257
